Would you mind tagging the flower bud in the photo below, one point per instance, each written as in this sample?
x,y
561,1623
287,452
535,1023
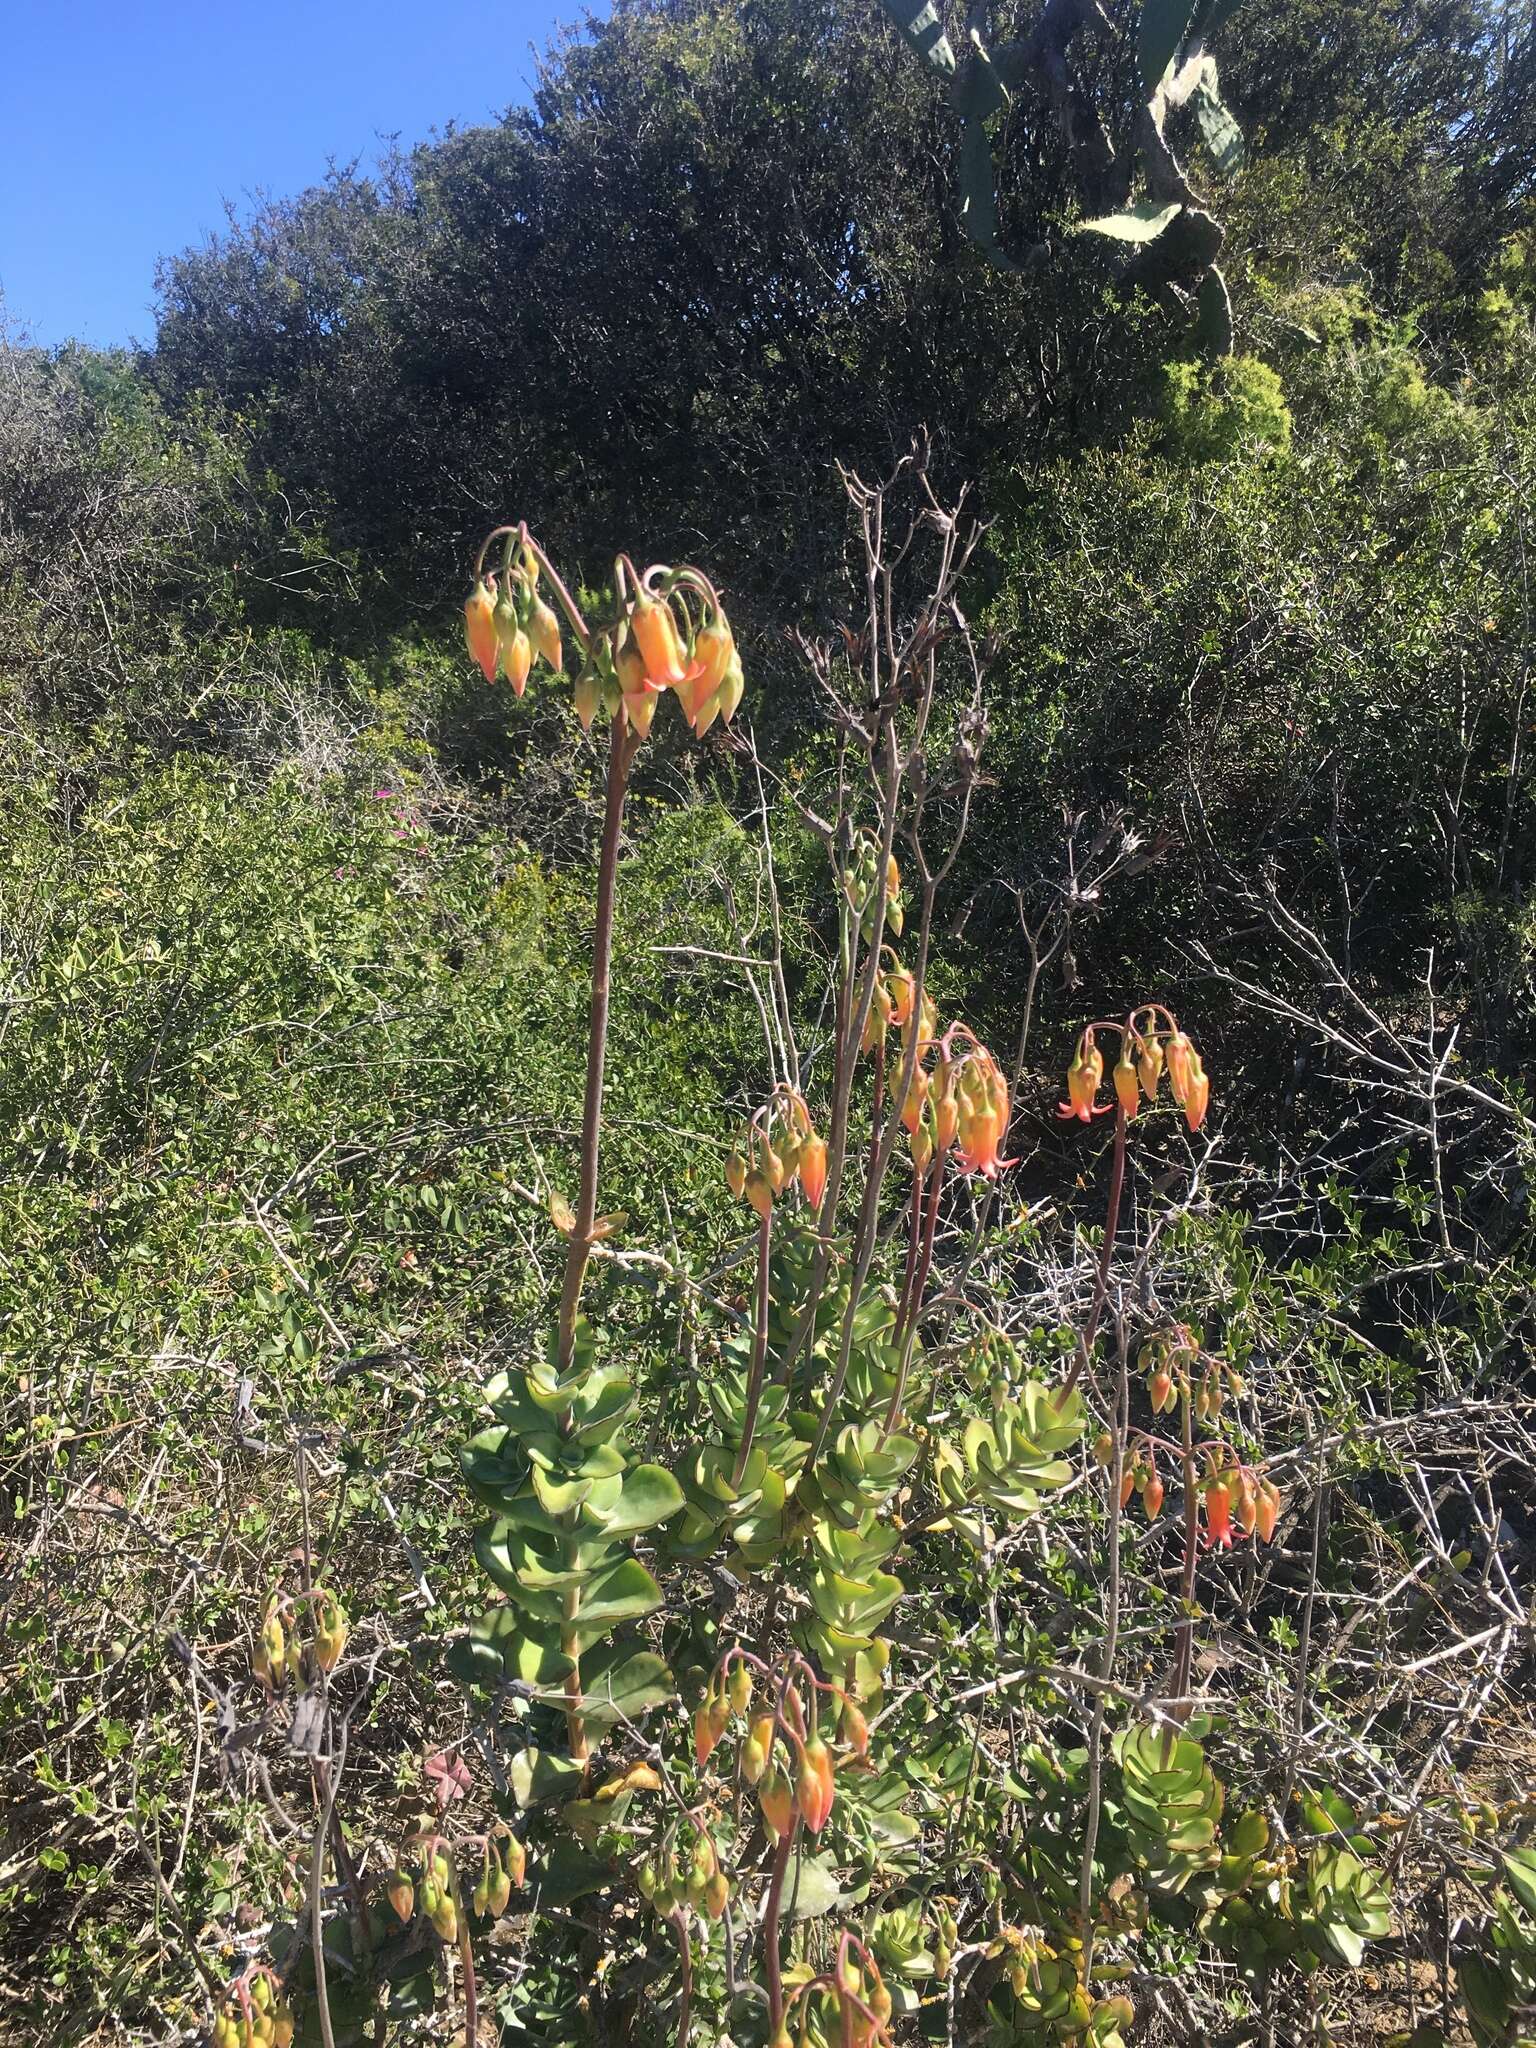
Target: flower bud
x,y
1180,1053
813,1169
544,632
516,660
855,1729
1197,1097
1149,1066
656,636
1267,1513
1162,1391
480,628
732,687
330,1631
717,1893
1104,1450
1127,1085
1218,1513
712,651
777,1801
1152,1497
1083,1078
814,1787
708,1727
739,1689
757,1749
587,696
736,1175
401,1894
759,1192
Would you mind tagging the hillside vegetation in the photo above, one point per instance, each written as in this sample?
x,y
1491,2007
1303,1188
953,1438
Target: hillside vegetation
x,y
969,1573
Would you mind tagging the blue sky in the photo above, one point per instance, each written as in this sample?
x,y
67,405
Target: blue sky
x,y
124,127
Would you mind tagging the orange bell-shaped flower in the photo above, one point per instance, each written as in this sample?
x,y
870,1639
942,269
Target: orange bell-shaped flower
x,y
1127,1084
480,628
656,635
1083,1079
813,1169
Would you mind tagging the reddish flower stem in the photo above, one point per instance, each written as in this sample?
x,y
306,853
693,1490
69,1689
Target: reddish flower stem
x,y
622,745
759,1350
772,1908
1089,1333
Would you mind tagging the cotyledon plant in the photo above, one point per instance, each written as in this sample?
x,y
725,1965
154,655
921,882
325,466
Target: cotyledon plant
x,y
565,1493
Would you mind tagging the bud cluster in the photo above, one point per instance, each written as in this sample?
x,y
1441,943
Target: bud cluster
x,y
894,1001
668,631
279,1655
256,2014
961,1104
848,2001
1151,1043
685,1878
782,1146
507,622
782,1753
861,886
1234,1492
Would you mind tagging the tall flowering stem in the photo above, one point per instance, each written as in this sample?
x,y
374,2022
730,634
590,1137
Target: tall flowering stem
x,y
623,744
666,630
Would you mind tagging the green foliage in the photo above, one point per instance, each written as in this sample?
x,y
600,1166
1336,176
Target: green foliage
x,y
1225,412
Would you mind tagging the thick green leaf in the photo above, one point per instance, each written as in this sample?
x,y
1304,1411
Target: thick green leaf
x,y
1161,30
1520,1874
978,200
1213,323
536,1777
1223,138
626,1592
629,1688
924,31
568,1873
530,1655
650,1495
811,1887
1138,224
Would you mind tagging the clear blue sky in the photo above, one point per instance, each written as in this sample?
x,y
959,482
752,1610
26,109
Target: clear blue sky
x,y
125,126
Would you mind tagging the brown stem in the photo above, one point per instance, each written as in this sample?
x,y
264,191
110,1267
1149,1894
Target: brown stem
x,y
919,1282
771,1910
1087,1335
876,1106
685,1957
1122,1417
467,1965
914,1240
570,1646
621,752
1184,1655
759,1350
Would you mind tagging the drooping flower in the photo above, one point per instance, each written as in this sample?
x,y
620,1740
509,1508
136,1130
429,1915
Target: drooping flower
x,y
480,628
815,1788
813,1169
982,1094
544,632
656,635
1083,1079
1127,1084
1180,1055
1197,1095
1218,1514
